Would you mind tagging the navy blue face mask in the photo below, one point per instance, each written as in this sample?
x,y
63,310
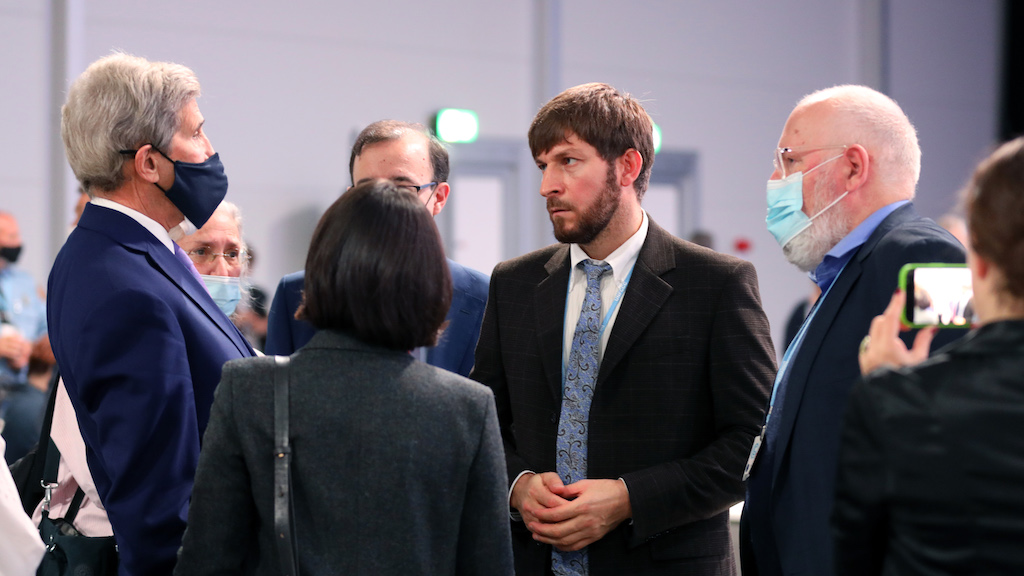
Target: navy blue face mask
x,y
198,187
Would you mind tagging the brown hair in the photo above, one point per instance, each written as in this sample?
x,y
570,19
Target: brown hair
x,y
376,269
388,130
609,120
995,213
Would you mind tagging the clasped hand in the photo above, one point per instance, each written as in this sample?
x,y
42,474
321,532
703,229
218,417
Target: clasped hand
x,y
570,517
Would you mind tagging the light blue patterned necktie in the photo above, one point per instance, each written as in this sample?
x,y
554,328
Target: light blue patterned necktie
x,y
577,392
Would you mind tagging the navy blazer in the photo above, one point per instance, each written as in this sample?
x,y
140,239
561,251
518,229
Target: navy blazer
x,y
793,524
140,345
454,352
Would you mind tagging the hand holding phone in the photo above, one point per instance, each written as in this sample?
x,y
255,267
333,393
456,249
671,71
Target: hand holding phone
x,y
883,346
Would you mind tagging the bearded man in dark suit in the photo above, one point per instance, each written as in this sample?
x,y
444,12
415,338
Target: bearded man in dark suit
x,y
839,204
630,368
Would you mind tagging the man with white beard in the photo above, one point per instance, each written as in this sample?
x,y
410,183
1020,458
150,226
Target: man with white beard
x,y
839,204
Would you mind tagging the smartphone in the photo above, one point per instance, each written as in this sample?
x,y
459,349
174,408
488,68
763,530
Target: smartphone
x,y
938,294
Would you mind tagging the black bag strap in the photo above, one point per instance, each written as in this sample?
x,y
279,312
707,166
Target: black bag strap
x,y
51,456
283,524
48,455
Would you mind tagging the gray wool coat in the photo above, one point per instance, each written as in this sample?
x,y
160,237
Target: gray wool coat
x,y
397,468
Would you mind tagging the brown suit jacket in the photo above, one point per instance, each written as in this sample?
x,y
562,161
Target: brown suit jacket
x,y
679,398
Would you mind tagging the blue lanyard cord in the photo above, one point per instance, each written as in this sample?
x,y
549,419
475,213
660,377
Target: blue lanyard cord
x,y
797,341
607,316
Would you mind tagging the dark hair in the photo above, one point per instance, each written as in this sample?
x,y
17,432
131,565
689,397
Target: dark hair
x,y
995,213
376,269
609,120
388,130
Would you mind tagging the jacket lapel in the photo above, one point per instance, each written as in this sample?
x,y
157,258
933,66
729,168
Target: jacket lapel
x,y
133,236
550,317
168,264
820,326
644,297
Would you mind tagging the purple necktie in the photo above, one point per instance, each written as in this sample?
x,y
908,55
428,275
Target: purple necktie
x,y
187,263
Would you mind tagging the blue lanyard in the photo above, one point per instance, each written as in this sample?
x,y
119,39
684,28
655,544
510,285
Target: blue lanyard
x,y
607,316
797,342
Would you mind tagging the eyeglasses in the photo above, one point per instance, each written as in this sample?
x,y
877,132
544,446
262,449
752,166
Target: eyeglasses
x,y
205,255
416,189
786,157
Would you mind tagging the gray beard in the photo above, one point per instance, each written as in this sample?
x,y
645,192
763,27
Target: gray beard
x,y
808,248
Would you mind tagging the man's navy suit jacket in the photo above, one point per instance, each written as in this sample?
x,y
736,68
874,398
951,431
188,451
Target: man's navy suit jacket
x,y
795,518
140,345
454,352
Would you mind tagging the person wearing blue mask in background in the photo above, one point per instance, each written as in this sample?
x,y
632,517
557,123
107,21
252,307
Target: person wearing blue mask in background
x,y
138,339
22,338
839,204
220,256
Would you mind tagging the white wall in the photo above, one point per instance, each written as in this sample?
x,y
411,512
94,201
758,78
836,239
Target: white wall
x,y
287,84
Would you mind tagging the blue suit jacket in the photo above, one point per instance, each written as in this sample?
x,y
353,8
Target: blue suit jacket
x,y
793,523
454,352
140,345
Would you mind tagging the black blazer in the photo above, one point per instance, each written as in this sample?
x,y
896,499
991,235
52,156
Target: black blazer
x,y
396,468
931,470
679,397
802,476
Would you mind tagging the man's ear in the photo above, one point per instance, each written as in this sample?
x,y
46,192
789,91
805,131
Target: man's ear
x,y
859,163
145,165
440,197
628,167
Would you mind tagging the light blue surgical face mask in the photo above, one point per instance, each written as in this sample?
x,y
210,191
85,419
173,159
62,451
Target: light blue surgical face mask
x,y
225,290
786,218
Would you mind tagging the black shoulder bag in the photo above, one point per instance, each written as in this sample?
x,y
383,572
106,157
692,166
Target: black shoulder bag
x,y
283,523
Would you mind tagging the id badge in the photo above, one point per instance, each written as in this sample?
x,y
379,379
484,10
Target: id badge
x,y
753,454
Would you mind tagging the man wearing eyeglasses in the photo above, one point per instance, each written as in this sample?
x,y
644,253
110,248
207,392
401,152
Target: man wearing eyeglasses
x,y
839,204
409,156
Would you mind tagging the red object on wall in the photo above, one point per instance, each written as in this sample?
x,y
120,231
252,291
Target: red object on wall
x,y
741,245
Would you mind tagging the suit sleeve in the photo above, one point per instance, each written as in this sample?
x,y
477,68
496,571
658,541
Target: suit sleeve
x,y
137,397
489,370
741,364
476,297
279,325
222,518
859,517
485,541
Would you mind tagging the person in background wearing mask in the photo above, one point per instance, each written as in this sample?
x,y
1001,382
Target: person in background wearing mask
x,y
22,337
220,257
839,204
138,339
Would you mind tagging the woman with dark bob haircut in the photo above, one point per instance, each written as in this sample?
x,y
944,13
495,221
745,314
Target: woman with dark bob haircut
x,y
397,466
931,469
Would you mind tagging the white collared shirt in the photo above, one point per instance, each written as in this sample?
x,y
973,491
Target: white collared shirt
x,y
621,261
148,223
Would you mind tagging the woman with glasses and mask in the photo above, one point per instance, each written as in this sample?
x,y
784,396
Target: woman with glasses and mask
x,y
932,461
396,466
219,255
